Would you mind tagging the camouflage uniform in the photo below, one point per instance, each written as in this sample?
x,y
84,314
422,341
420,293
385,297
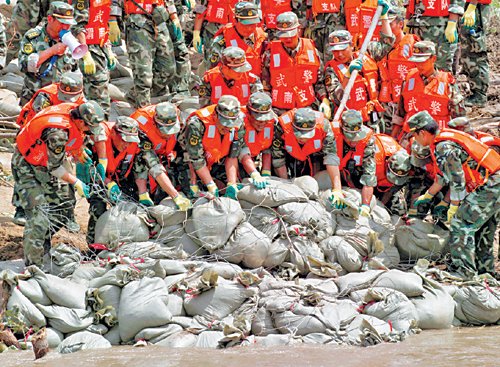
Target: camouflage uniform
x,y
35,41
207,33
296,168
433,29
474,55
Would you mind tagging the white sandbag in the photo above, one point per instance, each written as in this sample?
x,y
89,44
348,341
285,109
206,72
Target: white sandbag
x,y
31,289
176,304
301,249
64,260
183,339
326,286
308,185
226,270
167,214
27,310
147,249
213,221
356,281
154,335
120,275
81,341
324,181
66,320
247,245
186,243
120,108
84,274
276,194
435,308
277,340
477,305
54,337
338,250
109,295
358,330
264,219
124,222
380,214
115,93
113,336
173,267
209,339
421,239
279,251
262,323
143,303
409,284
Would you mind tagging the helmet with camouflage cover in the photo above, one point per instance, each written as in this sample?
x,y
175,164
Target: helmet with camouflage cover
x,y
304,123
419,121
247,12
398,167
63,12
352,125
420,155
128,128
260,106
395,12
422,51
70,87
287,24
339,40
228,111
461,124
167,118
92,114
235,58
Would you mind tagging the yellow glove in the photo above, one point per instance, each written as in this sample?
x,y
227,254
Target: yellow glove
x,y
213,189
197,42
182,203
81,188
266,173
337,199
111,60
325,108
451,211
193,189
114,33
104,162
88,64
451,31
258,181
308,32
364,210
424,199
145,199
177,28
469,18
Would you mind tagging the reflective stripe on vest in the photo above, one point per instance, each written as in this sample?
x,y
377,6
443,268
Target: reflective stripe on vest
x,y
114,162
272,8
240,89
257,141
359,152
385,147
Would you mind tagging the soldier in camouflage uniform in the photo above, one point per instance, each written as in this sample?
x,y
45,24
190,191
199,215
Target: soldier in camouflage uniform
x,y
149,46
237,79
41,46
46,190
441,30
214,154
474,55
473,216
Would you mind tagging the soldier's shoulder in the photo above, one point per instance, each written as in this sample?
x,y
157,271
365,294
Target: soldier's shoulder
x,y
33,33
220,40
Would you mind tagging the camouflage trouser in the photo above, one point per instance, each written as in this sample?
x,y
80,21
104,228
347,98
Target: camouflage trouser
x,y
392,199
152,62
444,49
417,186
48,203
178,172
207,36
473,230
180,82
321,27
96,85
386,117
474,55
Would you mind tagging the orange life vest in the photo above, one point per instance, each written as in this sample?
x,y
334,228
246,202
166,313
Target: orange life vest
x,y
272,8
240,89
364,92
394,69
252,54
385,147
481,1
220,11
359,17
352,16
215,146
145,117
29,141
97,26
293,79
477,150
488,139
432,97
51,90
429,168
433,8
257,141
131,8
292,146
325,6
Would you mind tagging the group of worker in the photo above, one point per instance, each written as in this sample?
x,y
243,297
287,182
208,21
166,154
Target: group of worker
x,y
276,73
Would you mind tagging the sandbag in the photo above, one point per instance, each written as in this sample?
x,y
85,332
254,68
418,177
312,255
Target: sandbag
x,y
209,339
356,281
113,336
147,249
176,304
27,310
477,304
225,270
337,250
435,308
367,330
264,219
105,296
167,214
54,337
143,303
213,221
155,335
183,339
247,245
278,252
262,323
33,291
124,222
301,249
277,340
119,275
64,260
66,320
84,274
409,284
276,194
308,185
81,341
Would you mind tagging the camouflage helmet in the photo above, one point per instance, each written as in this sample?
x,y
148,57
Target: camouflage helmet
x,y
395,11
260,106
352,125
398,167
228,111
70,87
418,121
63,12
287,24
422,51
128,128
167,118
235,58
339,40
247,13
461,124
304,123
92,114
420,155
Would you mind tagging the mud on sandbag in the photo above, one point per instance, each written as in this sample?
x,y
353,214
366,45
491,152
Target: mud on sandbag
x,y
276,194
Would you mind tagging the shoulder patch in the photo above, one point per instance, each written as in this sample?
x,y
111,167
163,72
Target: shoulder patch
x,y
147,146
277,143
194,140
28,48
32,34
222,41
59,150
203,90
214,57
328,80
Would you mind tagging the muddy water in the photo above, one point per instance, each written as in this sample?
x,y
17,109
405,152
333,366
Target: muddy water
x,y
455,347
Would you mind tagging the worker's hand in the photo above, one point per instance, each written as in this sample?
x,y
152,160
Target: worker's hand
x,y
177,28
197,44
111,60
213,189
190,4
145,199
182,202
114,192
385,7
469,18
364,210
83,172
194,189
88,64
81,188
84,155
441,209
258,181
58,49
114,32
325,108
337,199
412,213
451,211
101,168
451,31
266,173
424,199
232,191
355,65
